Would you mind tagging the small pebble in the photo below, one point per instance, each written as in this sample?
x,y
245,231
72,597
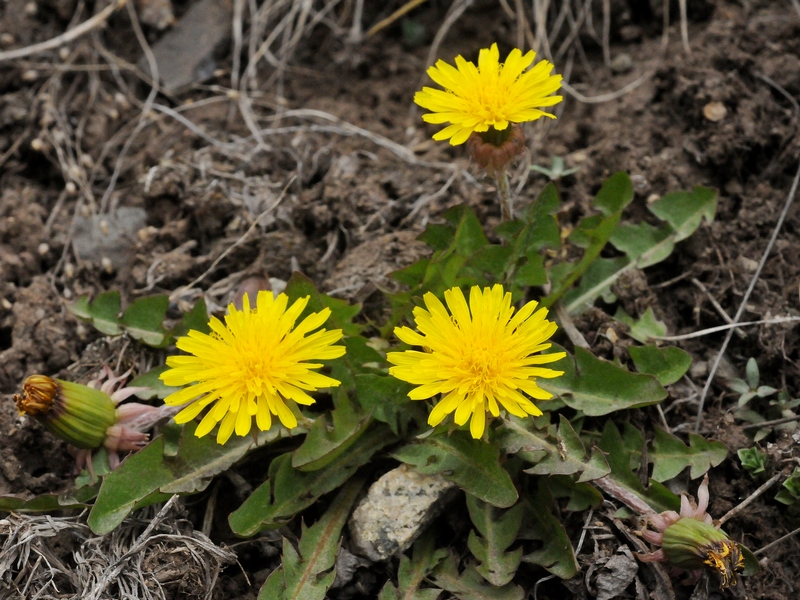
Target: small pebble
x,y
622,63
43,249
715,111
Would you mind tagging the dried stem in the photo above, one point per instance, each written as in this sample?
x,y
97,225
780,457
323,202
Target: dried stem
x,y
628,498
506,199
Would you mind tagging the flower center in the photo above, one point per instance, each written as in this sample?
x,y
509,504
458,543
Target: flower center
x,y
256,372
484,366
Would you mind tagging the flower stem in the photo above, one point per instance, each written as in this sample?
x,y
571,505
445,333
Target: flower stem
x,y
504,194
631,500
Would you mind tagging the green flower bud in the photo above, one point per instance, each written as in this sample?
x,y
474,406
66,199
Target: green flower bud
x,y
76,413
693,544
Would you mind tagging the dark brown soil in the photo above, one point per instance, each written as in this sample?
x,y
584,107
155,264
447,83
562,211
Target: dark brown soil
x,y
345,210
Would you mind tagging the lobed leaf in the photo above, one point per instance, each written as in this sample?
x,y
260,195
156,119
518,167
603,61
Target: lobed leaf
x,y
556,554
597,387
582,496
151,475
472,465
644,329
498,530
325,442
667,365
143,320
412,572
387,399
670,455
560,453
288,491
593,233
469,585
307,573
623,452
684,211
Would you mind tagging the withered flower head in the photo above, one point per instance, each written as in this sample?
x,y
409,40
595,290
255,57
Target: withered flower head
x,y
692,544
37,397
690,540
87,416
494,150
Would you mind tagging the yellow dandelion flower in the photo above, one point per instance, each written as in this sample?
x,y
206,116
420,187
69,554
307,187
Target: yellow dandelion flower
x,y
491,95
251,366
480,358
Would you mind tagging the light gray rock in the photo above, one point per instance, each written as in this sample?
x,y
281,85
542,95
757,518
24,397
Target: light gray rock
x,y
395,511
109,235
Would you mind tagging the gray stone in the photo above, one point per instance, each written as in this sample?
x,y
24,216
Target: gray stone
x,y
395,511
109,235
185,55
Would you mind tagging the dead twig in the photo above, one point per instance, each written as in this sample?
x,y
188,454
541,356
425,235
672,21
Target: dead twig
x,y
180,291
718,328
609,96
750,499
743,304
721,311
68,36
780,540
403,10
143,118
684,26
771,423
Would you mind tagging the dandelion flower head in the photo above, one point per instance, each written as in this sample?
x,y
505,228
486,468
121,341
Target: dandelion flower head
x,y
491,94
480,357
252,366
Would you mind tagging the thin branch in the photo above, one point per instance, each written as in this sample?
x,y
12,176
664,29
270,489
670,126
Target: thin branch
x,y
684,27
383,23
721,311
68,36
750,288
609,96
771,423
750,499
780,540
717,329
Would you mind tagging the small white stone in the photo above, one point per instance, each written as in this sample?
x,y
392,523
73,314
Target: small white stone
x,y
43,249
395,511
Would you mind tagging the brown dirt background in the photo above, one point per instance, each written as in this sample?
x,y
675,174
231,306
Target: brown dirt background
x,y
347,210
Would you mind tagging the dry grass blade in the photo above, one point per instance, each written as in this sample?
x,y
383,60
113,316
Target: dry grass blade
x,y
403,10
68,36
684,27
158,557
